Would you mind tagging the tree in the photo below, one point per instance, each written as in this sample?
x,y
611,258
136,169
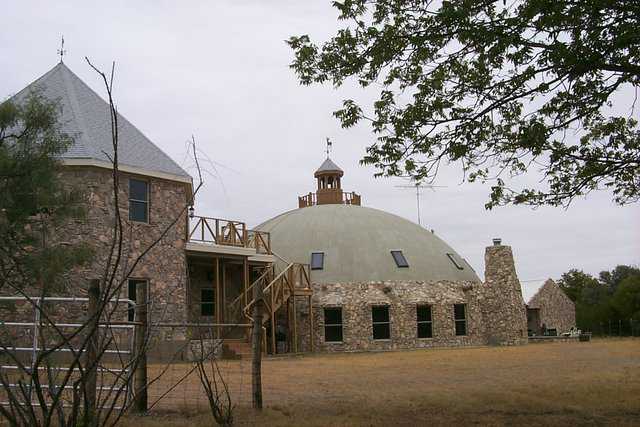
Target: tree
x,y
626,300
574,281
34,200
499,87
614,277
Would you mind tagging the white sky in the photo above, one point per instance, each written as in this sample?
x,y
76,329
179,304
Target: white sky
x,y
219,70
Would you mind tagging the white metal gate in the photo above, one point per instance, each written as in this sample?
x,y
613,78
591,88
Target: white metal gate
x,y
36,346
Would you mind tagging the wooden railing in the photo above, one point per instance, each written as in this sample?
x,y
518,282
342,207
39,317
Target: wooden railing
x,y
260,241
329,197
228,233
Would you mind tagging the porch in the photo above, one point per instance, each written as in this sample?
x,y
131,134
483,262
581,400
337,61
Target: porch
x,y
227,262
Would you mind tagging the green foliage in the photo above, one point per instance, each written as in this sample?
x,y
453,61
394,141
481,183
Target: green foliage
x,y
34,200
574,281
614,297
497,87
626,299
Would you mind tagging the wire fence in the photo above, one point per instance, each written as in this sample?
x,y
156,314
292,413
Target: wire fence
x,y
174,382
613,328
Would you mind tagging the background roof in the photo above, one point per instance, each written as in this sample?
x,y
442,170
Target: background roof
x,y
85,117
357,243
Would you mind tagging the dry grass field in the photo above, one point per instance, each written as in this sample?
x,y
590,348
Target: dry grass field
x,y
596,383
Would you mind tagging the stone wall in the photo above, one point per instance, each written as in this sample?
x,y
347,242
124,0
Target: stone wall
x,y
356,300
495,310
164,266
505,314
557,311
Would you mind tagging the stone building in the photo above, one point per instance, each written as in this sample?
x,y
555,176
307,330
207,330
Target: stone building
x,y
199,266
550,311
336,276
381,282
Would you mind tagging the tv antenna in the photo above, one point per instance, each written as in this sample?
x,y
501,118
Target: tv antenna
x,y
418,187
61,51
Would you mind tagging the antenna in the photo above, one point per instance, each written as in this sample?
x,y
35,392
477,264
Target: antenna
x,y
329,145
418,187
61,51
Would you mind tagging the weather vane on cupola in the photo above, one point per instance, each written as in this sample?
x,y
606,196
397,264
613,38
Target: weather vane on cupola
x,y
329,145
61,51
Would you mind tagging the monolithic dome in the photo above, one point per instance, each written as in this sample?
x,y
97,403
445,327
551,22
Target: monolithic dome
x,y
357,245
382,282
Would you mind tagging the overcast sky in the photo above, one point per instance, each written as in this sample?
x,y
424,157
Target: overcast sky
x,y
219,70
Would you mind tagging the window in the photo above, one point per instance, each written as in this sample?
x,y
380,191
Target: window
x,y
207,302
460,316
333,324
138,200
399,258
131,294
381,324
425,329
317,260
455,261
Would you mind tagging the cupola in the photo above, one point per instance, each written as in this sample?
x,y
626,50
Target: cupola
x,y
329,188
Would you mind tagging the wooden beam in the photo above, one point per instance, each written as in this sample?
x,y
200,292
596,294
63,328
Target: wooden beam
x,y
273,322
311,331
295,324
223,290
218,293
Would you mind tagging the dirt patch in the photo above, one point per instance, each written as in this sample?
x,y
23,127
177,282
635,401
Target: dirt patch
x,y
547,384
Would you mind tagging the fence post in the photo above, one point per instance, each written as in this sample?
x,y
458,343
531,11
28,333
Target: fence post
x,y
91,359
140,383
256,347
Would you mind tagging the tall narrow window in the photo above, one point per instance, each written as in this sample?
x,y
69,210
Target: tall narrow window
x,y
317,260
381,324
425,327
333,324
399,258
132,287
460,316
207,302
138,200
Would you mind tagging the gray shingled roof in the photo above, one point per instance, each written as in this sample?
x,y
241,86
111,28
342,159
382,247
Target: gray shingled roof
x,y
85,117
328,165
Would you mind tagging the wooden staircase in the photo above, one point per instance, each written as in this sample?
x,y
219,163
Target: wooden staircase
x,y
278,291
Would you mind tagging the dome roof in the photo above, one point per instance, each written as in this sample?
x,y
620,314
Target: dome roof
x,y
357,244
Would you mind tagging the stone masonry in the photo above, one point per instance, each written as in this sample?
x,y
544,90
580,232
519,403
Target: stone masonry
x,y
557,311
495,310
504,310
163,267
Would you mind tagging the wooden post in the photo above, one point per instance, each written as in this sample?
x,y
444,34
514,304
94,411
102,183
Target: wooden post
x,y
274,344
311,331
140,383
295,323
245,281
91,356
218,300
245,286
256,346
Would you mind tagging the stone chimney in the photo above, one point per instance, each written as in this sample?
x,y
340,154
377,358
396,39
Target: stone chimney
x,y
504,309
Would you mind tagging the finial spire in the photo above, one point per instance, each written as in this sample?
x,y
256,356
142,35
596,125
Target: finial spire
x,y
61,51
329,144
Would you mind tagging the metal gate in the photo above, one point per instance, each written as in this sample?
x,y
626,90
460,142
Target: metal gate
x,y
35,327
